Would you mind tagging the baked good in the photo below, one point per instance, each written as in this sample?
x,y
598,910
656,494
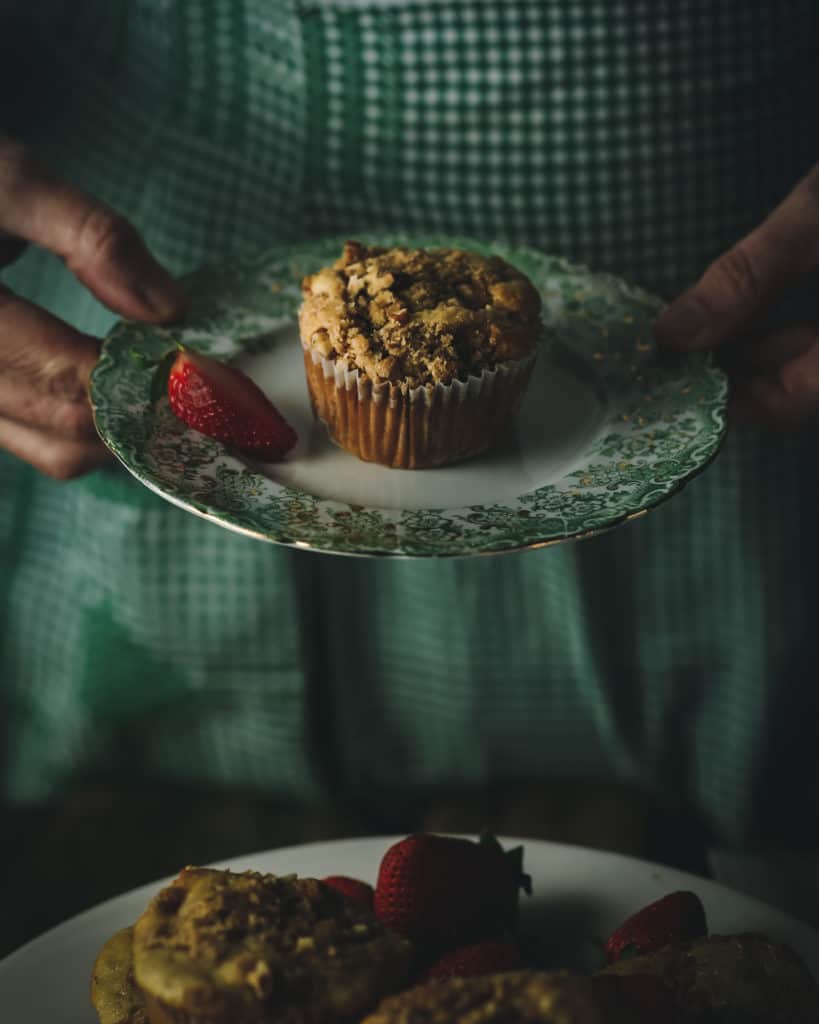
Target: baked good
x,y
730,979
512,997
249,948
114,993
416,357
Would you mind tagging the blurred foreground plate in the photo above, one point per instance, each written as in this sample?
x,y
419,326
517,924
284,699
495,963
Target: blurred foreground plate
x,y
579,896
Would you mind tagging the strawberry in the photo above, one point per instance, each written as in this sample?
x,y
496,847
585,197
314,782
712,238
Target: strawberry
x,y
222,402
352,888
678,917
470,961
444,892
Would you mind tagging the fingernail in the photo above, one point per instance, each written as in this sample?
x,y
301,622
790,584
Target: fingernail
x,y
680,324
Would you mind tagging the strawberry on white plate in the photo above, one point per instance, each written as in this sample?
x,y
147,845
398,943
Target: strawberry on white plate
x,y
222,402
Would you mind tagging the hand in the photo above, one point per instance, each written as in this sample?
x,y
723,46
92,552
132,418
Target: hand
x,y
45,417
774,373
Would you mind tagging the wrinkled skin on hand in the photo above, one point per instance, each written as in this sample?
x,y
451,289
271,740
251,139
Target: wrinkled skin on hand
x,y
774,373
45,417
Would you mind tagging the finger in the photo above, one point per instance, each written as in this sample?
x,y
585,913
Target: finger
x,y
746,279
100,247
60,459
788,396
765,354
45,366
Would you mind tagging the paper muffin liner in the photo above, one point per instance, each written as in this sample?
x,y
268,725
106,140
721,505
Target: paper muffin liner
x,y
414,428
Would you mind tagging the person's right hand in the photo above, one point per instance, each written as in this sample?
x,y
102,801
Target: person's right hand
x,y
45,416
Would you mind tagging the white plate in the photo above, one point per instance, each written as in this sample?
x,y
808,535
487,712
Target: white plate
x,y
563,414
580,895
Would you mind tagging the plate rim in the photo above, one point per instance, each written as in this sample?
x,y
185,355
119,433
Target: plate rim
x,y
569,851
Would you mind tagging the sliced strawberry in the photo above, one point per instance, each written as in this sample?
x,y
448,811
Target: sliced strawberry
x,y
678,917
223,402
446,892
352,888
470,961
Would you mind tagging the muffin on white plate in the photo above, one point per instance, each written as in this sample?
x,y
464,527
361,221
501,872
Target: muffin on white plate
x,y
217,947
417,357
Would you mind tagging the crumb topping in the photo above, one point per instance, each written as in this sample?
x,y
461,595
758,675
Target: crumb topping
x,y
417,316
213,939
513,997
760,979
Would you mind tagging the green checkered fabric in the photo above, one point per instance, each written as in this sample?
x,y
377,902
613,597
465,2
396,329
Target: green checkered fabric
x,y
141,643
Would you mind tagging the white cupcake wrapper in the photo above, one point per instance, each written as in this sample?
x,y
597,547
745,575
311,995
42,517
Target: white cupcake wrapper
x,y
486,384
414,428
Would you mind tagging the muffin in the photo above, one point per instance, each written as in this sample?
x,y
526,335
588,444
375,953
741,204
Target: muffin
x,y
512,997
114,993
730,978
417,358
221,948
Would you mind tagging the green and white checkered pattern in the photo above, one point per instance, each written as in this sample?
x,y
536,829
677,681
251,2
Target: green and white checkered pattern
x,y
609,131
642,137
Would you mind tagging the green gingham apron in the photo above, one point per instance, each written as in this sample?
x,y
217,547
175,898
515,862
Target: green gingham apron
x,y
139,643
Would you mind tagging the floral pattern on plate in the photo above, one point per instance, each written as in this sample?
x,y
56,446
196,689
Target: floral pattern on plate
x,y
663,416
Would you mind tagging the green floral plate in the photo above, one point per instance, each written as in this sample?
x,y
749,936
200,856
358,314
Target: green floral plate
x,y
609,428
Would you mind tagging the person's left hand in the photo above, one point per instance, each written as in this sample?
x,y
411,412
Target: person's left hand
x,y
774,374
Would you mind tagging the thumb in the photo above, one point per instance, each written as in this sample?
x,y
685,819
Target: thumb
x,y
746,279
